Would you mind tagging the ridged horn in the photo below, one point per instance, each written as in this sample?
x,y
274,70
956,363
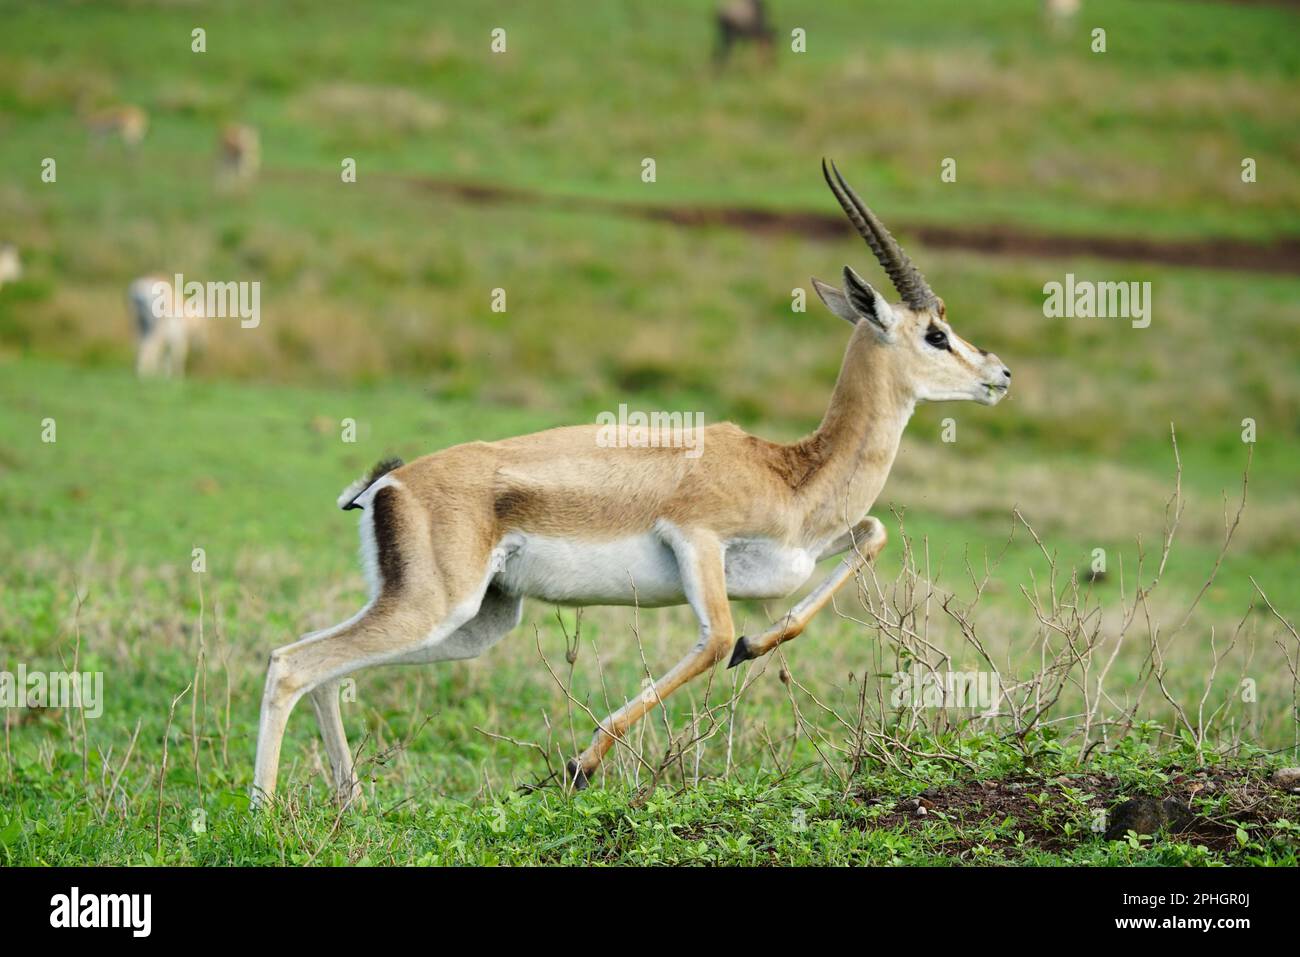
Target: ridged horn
x,y
907,279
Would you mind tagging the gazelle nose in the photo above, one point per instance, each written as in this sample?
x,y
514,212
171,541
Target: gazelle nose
x,y
1006,373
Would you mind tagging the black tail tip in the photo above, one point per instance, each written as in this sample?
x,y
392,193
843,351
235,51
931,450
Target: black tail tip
x,y
740,653
348,499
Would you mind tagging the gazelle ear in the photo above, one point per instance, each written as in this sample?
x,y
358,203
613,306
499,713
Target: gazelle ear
x,y
835,301
868,303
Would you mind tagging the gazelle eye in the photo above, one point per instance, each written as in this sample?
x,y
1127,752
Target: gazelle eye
x,y
937,338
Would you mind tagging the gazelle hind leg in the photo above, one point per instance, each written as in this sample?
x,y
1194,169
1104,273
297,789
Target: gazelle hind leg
x,y
385,633
497,614
149,353
325,701
178,353
419,603
865,542
305,665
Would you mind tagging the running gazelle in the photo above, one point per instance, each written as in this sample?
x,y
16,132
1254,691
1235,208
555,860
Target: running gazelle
x,y
454,541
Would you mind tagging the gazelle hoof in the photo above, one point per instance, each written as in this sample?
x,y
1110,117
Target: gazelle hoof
x,y
575,776
740,653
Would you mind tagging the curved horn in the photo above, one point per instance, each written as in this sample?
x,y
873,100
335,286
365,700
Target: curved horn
x,y
907,279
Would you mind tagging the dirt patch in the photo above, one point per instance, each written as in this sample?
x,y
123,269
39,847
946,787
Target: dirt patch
x,y
1041,808
1276,256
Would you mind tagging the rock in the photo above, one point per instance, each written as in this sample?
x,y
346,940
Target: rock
x,y
1287,778
1147,815
1177,815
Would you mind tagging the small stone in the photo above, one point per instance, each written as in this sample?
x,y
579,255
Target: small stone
x,y
916,807
1288,778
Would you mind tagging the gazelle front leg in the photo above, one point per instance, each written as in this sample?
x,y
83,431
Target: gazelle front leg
x,y
864,542
700,560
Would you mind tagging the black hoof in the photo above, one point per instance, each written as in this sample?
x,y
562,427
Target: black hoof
x,y
575,776
740,653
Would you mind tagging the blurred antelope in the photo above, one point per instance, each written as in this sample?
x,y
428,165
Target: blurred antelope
x,y
743,20
454,541
11,267
167,326
1060,12
127,123
239,153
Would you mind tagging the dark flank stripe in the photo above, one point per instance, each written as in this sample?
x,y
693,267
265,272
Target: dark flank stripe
x,y
509,503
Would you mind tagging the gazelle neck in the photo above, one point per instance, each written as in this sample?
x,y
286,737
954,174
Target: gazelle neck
x,y
850,454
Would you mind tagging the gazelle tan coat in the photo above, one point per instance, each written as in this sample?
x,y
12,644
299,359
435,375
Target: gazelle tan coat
x,y
454,541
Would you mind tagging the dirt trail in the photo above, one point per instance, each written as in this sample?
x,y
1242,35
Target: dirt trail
x,y
1279,256
1282,256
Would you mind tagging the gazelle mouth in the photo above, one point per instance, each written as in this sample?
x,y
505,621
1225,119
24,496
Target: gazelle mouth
x,y
994,391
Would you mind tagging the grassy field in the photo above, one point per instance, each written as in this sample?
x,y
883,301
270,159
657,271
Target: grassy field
x,y
1146,136
98,559
376,308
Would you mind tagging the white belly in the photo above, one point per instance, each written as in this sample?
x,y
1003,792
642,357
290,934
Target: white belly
x,y
757,568
642,570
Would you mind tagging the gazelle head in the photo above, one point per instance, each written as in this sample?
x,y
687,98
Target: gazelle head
x,y
924,353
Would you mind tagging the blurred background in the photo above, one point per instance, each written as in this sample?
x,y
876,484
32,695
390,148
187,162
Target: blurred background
x,y
522,170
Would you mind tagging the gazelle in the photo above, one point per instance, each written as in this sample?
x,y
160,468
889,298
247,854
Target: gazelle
x,y
128,123
11,267
454,541
739,21
239,153
1060,13
166,325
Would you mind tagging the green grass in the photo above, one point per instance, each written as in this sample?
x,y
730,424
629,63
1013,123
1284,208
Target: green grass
x,y
1147,137
375,300
732,823
97,557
